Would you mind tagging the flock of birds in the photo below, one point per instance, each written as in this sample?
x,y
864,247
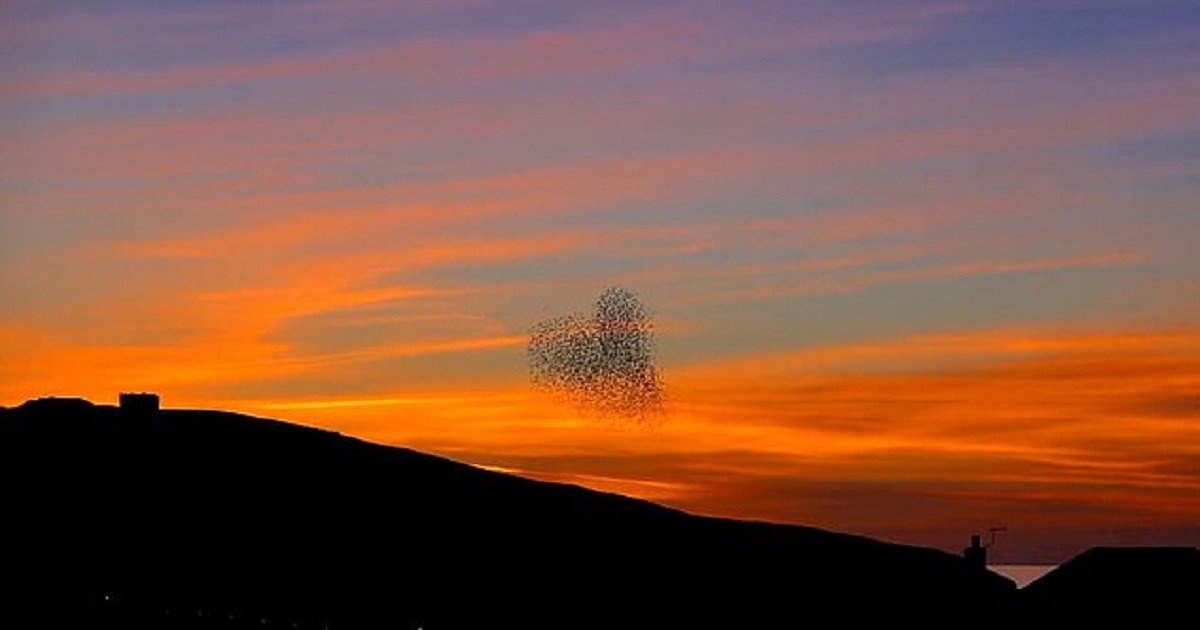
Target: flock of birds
x,y
603,362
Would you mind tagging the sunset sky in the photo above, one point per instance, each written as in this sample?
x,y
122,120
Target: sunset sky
x,y
917,268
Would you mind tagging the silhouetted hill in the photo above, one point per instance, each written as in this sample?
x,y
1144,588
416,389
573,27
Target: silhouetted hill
x,y
210,519
1154,585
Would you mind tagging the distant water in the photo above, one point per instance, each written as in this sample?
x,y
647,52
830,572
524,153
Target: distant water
x,y
1022,574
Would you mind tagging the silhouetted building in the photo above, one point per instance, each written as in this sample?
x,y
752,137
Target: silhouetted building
x,y
976,554
139,404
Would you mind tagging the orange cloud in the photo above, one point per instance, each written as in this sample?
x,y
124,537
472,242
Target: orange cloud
x,y
1046,432
413,349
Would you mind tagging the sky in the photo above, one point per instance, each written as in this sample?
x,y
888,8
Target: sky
x,y
917,269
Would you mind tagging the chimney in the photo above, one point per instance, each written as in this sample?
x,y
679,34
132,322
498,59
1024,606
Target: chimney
x,y
976,554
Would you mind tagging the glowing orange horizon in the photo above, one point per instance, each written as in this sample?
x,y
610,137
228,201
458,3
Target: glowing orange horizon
x,y
1098,422
915,271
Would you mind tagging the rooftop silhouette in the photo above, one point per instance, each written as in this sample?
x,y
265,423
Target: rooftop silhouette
x,y
1150,583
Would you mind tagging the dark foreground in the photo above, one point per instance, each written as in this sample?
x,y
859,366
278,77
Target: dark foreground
x,y
198,519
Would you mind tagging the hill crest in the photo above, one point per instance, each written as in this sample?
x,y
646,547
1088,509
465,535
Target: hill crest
x,y
221,511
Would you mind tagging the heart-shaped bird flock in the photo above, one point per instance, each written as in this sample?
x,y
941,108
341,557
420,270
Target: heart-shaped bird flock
x,y
603,363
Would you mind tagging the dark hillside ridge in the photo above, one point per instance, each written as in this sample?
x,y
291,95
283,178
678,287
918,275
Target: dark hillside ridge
x,y
199,519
